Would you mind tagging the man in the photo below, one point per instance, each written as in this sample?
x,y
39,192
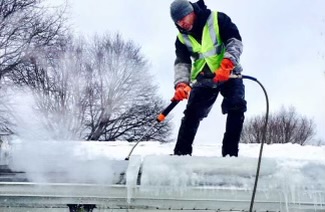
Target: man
x,y
215,45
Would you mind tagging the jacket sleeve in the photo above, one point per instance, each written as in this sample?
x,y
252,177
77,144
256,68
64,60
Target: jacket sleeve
x,y
230,35
183,64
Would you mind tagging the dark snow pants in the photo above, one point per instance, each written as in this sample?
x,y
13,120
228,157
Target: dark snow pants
x,y
199,104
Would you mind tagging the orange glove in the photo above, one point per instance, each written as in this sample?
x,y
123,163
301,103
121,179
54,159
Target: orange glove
x,y
182,91
223,73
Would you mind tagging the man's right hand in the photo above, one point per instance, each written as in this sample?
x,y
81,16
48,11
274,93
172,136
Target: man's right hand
x,y
182,91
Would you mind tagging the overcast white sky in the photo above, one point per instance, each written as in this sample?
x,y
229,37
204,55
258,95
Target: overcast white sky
x,y
284,48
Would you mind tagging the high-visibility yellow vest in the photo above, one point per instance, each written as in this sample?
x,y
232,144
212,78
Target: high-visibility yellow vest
x,y
210,51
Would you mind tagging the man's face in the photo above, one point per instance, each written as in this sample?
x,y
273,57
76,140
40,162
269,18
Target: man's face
x,y
187,22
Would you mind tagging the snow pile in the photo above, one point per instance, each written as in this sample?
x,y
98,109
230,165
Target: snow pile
x,y
232,173
103,162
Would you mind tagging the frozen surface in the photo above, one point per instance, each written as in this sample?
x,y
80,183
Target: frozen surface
x,y
65,162
103,162
289,179
291,176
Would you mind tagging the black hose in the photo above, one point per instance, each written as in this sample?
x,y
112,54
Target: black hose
x,y
262,142
174,103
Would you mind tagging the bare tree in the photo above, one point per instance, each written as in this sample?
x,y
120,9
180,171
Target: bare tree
x,y
285,126
99,90
120,90
5,112
133,123
57,82
26,27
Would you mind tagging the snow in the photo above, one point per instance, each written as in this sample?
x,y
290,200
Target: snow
x,y
307,163
289,172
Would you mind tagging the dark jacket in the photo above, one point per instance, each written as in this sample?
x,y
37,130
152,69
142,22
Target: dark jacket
x,y
229,35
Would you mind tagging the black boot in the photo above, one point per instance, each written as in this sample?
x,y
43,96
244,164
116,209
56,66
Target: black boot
x,y
234,126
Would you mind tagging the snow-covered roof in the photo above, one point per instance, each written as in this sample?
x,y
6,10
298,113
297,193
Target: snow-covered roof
x,y
291,177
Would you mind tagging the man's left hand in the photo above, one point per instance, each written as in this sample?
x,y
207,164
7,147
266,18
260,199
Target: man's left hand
x,y
223,73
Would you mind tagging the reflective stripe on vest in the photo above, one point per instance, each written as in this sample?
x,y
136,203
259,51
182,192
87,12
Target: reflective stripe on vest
x,y
211,49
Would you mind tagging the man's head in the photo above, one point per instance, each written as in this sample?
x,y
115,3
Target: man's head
x,y
182,13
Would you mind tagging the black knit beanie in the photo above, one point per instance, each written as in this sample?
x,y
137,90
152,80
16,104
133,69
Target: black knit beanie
x,y
179,9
